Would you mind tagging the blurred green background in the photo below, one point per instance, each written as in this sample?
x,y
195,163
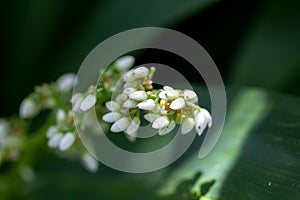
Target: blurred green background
x,y
256,46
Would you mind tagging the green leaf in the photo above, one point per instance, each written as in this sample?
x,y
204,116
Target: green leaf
x,y
257,155
269,54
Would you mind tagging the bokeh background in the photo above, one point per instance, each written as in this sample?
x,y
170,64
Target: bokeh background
x,y
255,44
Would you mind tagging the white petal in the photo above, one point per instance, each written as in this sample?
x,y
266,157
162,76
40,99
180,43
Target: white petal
x,y
177,104
88,102
162,95
160,122
112,106
111,117
189,94
129,76
200,123
168,88
207,116
28,108
121,98
138,95
52,130
66,82
129,104
90,163
60,115
187,125
55,140
77,103
133,126
120,125
172,94
75,97
151,117
125,62
128,91
67,141
132,84
148,104
141,72
167,129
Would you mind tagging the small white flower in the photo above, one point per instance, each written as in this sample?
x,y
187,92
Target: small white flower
x,y
125,62
111,117
187,125
55,140
60,115
112,106
129,104
28,109
148,104
160,122
138,95
90,163
88,102
66,82
120,125
4,128
167,129
133,127
129,90
52,130
207,117
190,96
151,117
132,84
67,141
177,104
129,76
121,98
141,72
200,122
77,102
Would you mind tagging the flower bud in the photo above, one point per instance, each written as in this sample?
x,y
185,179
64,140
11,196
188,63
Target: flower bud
x,y
88,102
148,104
138,95
90,163
120,125
55,140
60,115
124,63
187,125
129,104
28,109
65,82
160,122
111,117
112,106
67,141
141,72
177,104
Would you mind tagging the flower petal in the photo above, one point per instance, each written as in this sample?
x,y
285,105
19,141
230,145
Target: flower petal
x,y
148,104
160,122
125,62
141,72
177,104
120,125
88,102
112,106
187,125
129,104
111,117
167,129
67,141
138,95
151,117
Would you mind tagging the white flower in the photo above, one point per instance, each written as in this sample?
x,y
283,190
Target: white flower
x,y
112,106
141,72
138,95
76,101
129,104
90,163
132,84
88,102
177,104
160,122
52,130
190,96
128,91
55,140
167,129
200,122
187,125
60,115
121,98
133,127
66,82
4,128
151,117
129,76
125,62
67,141
148,104
28,108
120,125
111,117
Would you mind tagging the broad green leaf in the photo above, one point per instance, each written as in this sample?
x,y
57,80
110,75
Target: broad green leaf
x,y
269,54
257,156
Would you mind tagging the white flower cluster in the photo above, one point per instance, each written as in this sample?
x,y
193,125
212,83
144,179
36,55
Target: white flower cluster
x,y
165,107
